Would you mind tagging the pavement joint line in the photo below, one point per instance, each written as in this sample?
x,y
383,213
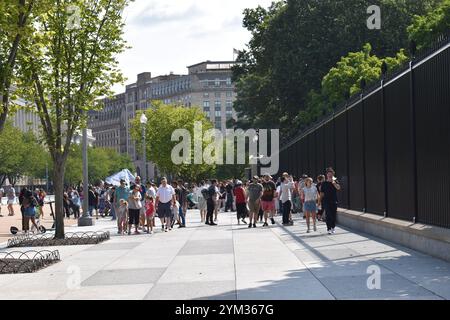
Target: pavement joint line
x,y
172,260
309,270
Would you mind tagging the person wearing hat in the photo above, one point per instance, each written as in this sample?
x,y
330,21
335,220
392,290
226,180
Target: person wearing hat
x,y
254,193
329,200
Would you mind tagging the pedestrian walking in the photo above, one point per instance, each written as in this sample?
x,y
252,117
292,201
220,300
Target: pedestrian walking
x,y
121,195
320,180
2,193
165,199
211,202
134,209
268,199
254,193
310,196
150,213
122,216
202,194
241,202
11,198
287,186
329,200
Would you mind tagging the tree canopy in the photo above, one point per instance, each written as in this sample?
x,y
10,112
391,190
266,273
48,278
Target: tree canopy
x,y
163,120
295,43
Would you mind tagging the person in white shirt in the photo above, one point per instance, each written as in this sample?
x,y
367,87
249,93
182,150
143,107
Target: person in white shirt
x,y
287,186
165,200
11,195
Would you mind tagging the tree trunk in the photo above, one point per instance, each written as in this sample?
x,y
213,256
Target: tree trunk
x,y
58,186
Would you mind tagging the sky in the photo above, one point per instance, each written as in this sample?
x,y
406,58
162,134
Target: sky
x,y
169,35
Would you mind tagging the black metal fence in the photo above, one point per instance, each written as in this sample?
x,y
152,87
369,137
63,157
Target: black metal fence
x,y
390,146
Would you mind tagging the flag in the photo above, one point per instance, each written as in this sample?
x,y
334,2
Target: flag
x,y
236,51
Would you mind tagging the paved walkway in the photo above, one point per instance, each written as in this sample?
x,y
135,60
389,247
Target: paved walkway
x,y
232,262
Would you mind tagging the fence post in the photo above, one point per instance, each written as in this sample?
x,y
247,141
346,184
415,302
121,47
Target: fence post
x,y
364,153
383,108
413,140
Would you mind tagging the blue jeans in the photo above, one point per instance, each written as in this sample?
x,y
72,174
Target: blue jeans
x,y
91,208
113,212
182,216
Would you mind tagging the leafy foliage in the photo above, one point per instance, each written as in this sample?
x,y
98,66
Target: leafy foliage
x,y
295,43
163,120
427,28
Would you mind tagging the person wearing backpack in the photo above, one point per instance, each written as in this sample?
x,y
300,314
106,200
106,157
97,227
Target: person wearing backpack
x,y
211,203
29,204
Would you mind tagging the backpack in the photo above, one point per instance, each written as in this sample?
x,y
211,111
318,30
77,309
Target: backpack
x,y
205,193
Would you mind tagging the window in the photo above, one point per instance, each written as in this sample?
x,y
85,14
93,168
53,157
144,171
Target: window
x,y
229,94
218,125
217,104
205,104
208,114
217,83
228,81
206,109
218,114
217,94
206,95
229,104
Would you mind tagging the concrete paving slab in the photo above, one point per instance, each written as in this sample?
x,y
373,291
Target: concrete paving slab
x,y
124,276
204,290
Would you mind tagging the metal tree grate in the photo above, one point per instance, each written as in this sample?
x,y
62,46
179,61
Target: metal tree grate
x,y
26,262
48,240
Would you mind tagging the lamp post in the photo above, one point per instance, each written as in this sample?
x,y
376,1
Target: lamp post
x,y
85,220
143,121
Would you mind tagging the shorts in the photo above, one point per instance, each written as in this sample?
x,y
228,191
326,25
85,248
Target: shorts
x,y
310,206
133,216
268,206
150,215
164,210
201,204
29,212
10,202
254,206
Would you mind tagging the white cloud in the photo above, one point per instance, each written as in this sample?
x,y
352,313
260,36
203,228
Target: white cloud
x,y
168,35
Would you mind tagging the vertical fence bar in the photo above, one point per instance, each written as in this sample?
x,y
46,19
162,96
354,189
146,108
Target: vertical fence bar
x,y
414,139
364,154
386,193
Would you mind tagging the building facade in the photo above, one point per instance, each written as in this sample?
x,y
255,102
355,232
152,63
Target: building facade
x,y
207,85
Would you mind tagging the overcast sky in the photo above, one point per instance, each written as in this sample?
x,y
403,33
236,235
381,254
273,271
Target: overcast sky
x,y
168,35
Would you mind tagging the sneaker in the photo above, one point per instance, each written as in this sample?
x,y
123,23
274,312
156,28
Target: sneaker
x,y
254,225
249,226
213,224
151,232
291,223
329,231
265,224
243,220
273,220
165,230
207,223
308,231
333,231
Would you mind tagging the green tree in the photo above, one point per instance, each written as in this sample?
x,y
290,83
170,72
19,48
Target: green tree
x,y
70,63
427,28
295,43
345,79
15,20
20,155
102,163
163,120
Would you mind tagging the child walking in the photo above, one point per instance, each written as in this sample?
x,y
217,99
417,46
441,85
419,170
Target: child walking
x,y
150,213
122,217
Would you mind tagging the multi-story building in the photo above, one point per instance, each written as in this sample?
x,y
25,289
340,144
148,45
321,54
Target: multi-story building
x,y
207,85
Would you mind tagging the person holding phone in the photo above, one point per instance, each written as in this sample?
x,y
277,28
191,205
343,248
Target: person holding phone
x,y
329,189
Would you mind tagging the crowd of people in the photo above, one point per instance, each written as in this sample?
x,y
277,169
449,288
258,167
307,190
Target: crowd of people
x,y
136,206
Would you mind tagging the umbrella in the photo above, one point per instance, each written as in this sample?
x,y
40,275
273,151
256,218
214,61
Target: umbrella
x,y
125,174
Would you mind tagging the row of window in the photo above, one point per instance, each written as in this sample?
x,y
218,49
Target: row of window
x,y
228,94
218,104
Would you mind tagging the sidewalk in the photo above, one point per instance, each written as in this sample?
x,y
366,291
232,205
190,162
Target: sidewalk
x,y
232,262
